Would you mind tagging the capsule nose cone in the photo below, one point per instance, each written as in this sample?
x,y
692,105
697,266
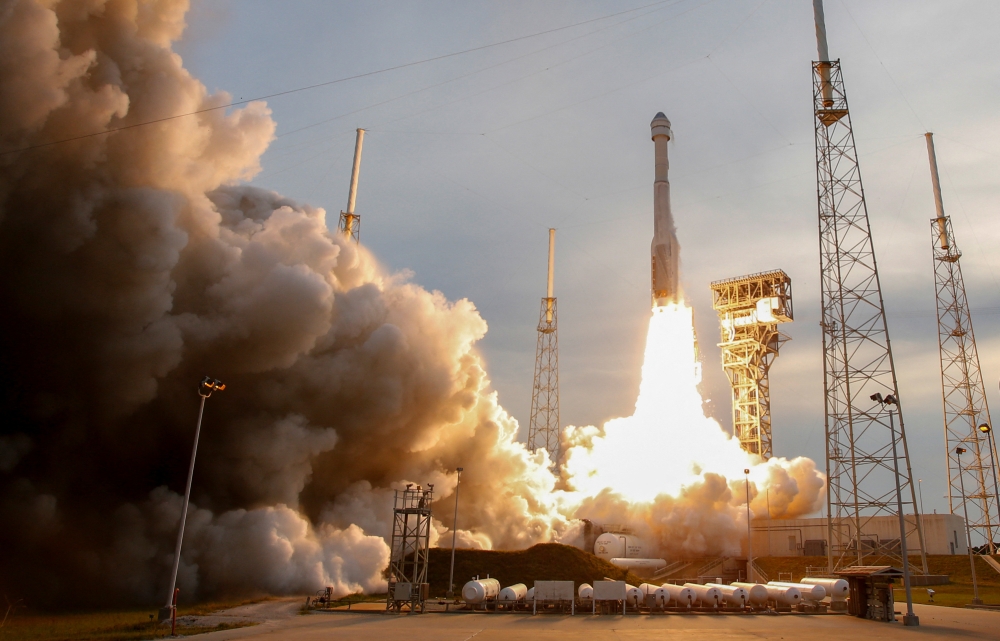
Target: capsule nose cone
x,y
659,116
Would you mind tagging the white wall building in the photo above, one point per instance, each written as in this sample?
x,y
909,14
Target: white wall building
x,y
943,534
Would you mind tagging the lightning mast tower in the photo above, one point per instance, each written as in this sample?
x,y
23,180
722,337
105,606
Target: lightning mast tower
x,y
857,355
750,308
350,223
543,430
962,392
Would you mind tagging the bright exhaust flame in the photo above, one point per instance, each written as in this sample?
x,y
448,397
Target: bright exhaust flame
x,y
668,443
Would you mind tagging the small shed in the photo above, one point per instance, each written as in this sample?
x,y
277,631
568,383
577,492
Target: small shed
x,y
871,591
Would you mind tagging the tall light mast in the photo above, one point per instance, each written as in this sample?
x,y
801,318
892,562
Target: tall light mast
x,y
962,392
543,428
350,223
856,351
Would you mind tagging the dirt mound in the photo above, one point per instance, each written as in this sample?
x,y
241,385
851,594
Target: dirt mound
x,y
542,562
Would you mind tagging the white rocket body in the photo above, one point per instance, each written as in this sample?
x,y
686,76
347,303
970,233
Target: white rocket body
x,y
665,250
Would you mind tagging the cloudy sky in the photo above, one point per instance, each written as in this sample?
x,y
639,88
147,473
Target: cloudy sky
x,y
470,158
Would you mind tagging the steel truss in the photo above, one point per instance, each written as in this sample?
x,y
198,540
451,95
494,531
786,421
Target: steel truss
x,y
856,350
962,392
543,429
750,308
411,529
350,226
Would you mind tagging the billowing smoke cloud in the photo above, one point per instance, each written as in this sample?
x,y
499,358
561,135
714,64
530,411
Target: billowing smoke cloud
x,y
134,263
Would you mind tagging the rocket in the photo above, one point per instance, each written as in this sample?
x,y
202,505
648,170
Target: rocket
x,y
665,250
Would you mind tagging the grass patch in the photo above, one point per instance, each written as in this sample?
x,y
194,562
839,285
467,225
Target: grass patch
x,y
109,625
545,561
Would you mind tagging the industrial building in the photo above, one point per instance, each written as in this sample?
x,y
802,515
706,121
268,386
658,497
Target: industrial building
x,y
943,534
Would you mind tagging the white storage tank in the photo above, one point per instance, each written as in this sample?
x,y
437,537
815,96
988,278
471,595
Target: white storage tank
x,y
757,592
680,596
513,593
619,546
585,591
836,589
733,594
810,592
708,596
639,564
633,596
783,595
481,590
530,596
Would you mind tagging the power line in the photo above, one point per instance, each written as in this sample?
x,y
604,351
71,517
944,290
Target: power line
x,y
332,82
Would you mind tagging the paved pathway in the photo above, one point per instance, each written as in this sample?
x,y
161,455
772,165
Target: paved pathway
x,y
937,623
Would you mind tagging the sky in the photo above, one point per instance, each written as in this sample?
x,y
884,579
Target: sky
x,y
469,159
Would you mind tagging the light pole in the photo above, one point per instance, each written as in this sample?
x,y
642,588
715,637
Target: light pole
x,y
454,533
968,535
750,572
205,389
920,491
988,431
909,618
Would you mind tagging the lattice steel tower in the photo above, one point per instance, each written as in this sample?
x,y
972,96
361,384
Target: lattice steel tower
x,y
543,430
350,223
409,549
856,351
750,308
962,391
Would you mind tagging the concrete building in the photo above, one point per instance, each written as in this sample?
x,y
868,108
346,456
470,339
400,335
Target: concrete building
x,y
943,534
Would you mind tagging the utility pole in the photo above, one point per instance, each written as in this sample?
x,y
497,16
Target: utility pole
x,y
454,534
857,355
543,428
205,389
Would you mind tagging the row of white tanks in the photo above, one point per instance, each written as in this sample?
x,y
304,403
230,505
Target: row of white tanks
x,y
711,595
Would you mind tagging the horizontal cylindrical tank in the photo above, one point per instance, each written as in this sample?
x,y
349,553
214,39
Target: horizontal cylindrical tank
x,y
480,590
757,592
618,546
633,595
732,594
783,595
514,592
585,591
809,591
679,595
638,564
709,597
530,596
836,589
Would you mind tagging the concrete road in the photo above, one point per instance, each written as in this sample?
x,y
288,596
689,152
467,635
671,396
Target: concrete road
x,y
935,623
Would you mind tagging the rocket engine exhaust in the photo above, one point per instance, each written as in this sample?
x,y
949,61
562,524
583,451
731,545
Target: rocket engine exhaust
x,y
665,250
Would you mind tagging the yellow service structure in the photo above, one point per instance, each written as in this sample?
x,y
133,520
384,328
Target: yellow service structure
x,y
750,309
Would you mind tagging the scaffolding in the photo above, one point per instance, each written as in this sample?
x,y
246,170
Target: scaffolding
x,y
750,309
411,529
543,427
350,223
860,440
963,394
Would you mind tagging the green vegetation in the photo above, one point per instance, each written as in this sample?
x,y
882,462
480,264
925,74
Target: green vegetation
x,y
956,593
545,562
110,625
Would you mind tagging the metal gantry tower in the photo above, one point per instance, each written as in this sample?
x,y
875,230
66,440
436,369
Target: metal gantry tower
x,y
962,391
543,428
350,223
857,356
409,549
750,309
